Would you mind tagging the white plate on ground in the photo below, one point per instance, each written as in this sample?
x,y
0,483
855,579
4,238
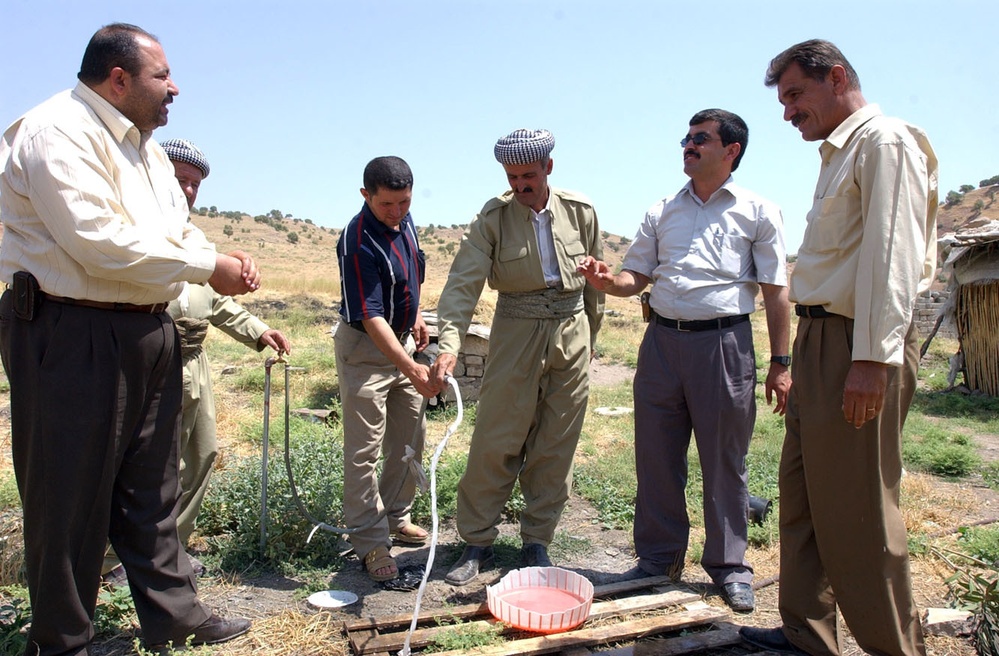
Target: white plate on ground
x,y
332,598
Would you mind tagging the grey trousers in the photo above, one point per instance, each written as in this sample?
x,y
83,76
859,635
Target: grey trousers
x,y
702,382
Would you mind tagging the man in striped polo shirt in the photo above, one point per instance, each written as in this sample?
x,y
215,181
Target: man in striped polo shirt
x,y
381,270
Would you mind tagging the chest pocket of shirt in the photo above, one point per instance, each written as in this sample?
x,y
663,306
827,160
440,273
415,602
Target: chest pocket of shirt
x,y
733,250
574,250
511,253
832,229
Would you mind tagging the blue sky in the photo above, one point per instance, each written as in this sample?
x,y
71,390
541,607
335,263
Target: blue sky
x,y
290,100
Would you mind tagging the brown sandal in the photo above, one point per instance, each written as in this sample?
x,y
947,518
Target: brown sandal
x,y
380,558
410,534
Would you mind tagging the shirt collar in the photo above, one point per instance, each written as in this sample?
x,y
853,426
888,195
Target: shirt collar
x,y
117,123
689,189
838,138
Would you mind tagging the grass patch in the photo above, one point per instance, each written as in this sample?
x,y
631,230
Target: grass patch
x,y
981,542
930,448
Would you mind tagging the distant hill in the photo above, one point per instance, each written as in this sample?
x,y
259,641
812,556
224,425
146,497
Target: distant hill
x,y
970,205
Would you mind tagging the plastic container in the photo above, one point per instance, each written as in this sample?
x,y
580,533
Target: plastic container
x,y
541,599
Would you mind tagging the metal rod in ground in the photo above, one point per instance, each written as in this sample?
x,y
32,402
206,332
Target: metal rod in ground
x,y
263,459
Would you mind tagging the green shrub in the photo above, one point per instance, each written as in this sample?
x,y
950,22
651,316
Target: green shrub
x,y
941,453
15,616
981,543
230,516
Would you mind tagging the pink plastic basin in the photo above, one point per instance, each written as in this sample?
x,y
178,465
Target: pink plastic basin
x,y
541,599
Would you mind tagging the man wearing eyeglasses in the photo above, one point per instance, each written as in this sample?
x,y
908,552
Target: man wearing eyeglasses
x,y
708,251
868,250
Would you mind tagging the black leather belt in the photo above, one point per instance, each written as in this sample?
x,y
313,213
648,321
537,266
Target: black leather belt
x,y
813,312
357,325
703,324
154,308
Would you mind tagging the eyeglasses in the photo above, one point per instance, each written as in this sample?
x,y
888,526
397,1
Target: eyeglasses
x,y
699,139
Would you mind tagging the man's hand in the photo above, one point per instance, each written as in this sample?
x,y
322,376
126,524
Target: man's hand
x,y
250,272
778,383
864,391
421,334
422,381
276,340
233,276
442,368
596,272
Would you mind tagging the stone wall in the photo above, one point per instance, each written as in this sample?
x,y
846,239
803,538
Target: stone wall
x,y
928,306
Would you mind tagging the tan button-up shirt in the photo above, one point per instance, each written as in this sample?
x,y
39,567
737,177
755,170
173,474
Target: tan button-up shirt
x,y
870,242
91,207
501,246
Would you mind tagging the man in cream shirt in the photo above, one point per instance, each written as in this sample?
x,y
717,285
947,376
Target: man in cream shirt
x,y
869,248
96,243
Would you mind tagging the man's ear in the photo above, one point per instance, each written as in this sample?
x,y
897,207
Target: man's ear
x,y
732,150
840,80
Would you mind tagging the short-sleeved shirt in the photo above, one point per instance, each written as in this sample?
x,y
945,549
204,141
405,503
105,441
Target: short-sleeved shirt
x,y
381,271
705,259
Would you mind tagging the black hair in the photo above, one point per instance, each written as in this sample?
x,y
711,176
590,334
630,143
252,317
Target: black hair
x,y
388,172
110,47
731,129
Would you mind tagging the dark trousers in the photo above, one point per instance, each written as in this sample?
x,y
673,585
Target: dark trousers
x,y
702,382
842,538
95,400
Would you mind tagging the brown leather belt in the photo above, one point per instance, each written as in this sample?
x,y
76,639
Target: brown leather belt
x,y
813,312
703,324
155,308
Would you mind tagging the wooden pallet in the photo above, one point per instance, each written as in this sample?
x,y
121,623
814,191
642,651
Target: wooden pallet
x,y
385,636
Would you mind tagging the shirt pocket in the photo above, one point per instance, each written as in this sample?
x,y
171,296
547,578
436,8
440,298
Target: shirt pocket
x,y
574,250
511,253
835,225
733,253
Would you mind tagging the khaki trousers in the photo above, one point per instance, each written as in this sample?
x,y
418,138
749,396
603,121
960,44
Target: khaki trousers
x,y
842,538
530,413
381,415
198,442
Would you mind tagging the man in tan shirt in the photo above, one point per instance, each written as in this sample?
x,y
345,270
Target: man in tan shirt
x,y
868,250
527,243
96,244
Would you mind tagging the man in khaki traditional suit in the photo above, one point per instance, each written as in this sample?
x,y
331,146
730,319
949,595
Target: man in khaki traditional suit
x,y
527,243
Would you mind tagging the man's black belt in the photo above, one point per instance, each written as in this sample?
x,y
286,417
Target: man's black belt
x,y
358,325
813,312
703,324
154,308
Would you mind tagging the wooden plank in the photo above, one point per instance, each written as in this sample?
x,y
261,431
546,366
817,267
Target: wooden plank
x,y
725,635
422,637
475,610
621,631
359,640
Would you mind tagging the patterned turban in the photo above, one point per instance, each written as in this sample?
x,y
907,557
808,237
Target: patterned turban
x,y
524,147
182,150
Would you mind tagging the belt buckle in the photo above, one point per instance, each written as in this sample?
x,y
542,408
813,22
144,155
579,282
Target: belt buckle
x,y
680,328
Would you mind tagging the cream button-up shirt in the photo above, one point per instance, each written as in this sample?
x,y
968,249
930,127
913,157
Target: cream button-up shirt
x,y
91,207
870,243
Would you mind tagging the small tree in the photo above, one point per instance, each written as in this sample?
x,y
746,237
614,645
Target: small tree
x,y
953,198
292,237
227,230
966,188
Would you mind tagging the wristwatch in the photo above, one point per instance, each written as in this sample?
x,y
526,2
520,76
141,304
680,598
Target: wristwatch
x,y
784,360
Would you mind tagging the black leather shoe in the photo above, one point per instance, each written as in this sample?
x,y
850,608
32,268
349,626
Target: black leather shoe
x,y
770,639
472,561
739,596
535,555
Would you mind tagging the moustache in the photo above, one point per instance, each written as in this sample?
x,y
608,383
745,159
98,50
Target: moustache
x,y
525,190
797,119
691,151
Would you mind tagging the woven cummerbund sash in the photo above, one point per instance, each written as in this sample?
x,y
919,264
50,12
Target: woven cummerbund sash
x,y
549,303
